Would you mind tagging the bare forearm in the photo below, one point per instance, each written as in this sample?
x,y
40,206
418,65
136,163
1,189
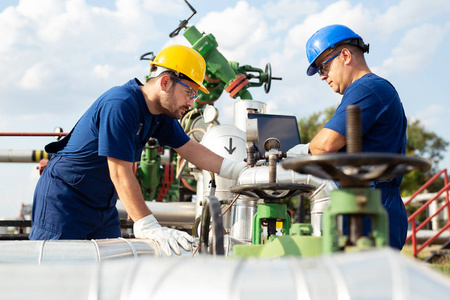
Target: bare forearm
x,y
326,141
128,189
131,197
201,156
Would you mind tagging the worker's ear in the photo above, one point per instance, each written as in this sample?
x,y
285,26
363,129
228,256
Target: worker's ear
x,y
165,83
347,55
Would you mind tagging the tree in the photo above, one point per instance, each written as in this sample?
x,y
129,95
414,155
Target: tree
x,y
427,144
310,126
424,143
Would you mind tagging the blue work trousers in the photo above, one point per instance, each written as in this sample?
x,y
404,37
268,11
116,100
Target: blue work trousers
x,y
70,203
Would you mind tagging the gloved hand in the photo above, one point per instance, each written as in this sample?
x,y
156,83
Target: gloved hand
x,y
167,238
299,150
232,169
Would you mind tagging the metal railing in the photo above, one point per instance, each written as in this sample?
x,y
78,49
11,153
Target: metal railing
x,y
413,218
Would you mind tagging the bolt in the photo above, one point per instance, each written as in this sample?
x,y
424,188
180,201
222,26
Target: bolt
x,y
354,140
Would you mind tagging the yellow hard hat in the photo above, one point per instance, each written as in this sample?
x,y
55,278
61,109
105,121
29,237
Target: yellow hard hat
x,y
183,60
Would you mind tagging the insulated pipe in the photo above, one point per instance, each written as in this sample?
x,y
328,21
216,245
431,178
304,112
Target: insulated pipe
x,y
57,251
373,274
33,133
178,214
22,156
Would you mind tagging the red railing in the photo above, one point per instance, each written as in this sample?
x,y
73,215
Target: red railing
x,y
413,218
33,133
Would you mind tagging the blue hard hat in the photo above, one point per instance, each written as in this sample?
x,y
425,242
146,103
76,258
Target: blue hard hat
x,y
330,37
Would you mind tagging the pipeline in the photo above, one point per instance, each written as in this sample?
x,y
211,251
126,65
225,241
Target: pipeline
x,y
319,199
57,134
178,214
63,251
375,274
22,156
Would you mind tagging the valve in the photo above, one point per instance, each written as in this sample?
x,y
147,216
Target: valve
x,y
183,23
272,147
268,78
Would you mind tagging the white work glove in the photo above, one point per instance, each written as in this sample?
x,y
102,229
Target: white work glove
x,y
232,169
167,238
299,150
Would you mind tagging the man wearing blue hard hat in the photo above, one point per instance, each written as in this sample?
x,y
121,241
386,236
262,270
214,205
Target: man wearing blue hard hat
x,y
336,53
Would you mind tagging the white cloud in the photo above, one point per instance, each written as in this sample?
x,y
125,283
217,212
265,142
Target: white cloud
x,y
409,12
415,50
286,11
431,116
40,11
169,6
57,48
103,71
238,30
35,77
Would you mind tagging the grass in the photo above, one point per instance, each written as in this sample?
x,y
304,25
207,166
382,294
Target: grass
x,y
442,265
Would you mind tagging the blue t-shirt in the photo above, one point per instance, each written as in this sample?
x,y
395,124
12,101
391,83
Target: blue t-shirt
x,y
382,117
118,124
383,130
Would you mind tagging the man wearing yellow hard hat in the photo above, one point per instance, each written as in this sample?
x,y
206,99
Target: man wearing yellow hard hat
x,y
91,167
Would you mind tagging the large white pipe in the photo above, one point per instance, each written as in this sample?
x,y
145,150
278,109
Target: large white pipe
x,y
22,155
178,214
375,274
57,251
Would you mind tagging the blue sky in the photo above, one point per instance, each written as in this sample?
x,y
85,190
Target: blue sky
x,y
57,57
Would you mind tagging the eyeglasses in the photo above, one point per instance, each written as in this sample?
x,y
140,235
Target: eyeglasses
x,y
322,69
191,93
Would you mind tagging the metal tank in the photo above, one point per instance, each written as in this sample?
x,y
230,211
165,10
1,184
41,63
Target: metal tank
x,y
374,274
229,142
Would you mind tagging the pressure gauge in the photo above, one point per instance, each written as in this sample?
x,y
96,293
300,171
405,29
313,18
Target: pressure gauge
x,y
210,114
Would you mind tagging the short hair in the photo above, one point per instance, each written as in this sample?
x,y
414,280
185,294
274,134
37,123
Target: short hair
x,y
357,51
173,76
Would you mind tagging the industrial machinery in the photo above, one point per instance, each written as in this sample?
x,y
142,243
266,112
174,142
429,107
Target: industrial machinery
x,y
236,222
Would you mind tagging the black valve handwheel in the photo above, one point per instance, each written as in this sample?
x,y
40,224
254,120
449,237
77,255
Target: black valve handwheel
x,y
357,168
272,191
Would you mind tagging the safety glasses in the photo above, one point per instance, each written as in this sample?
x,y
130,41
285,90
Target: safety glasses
x,y
191,93
323,68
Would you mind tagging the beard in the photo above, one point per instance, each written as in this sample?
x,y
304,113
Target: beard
x,y
168,105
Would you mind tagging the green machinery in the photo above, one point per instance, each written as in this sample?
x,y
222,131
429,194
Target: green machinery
x,y
354,200
354,170
220,75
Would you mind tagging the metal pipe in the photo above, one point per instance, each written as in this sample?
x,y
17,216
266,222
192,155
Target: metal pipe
x,y
273,168
178,214
319,199
57,251
376,274
33,133
22,156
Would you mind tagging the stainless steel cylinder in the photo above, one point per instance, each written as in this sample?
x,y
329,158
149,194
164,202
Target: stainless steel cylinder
x,y
242,214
